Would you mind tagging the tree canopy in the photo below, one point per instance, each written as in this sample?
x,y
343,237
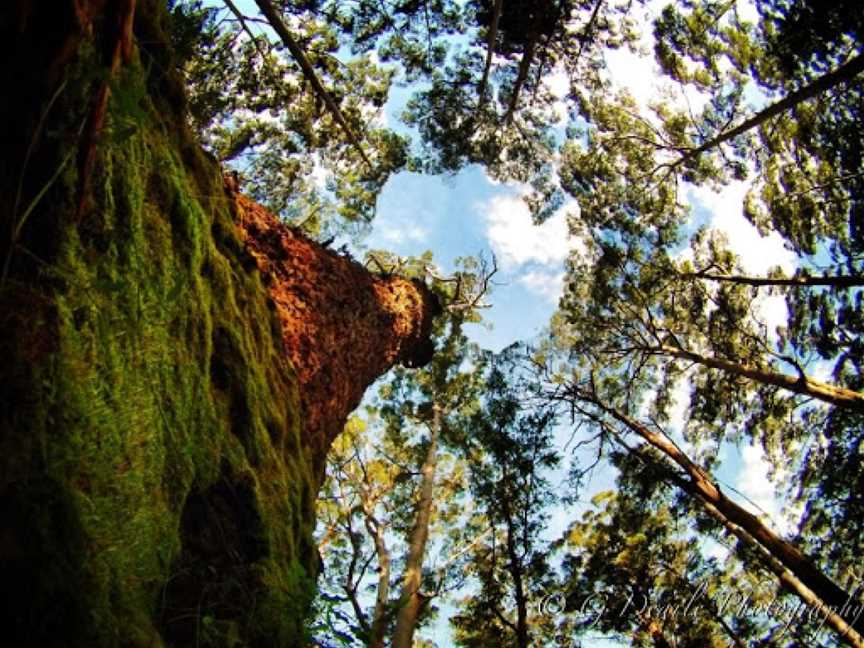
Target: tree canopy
x,y
660,361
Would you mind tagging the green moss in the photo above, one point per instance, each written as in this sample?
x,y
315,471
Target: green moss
x,y
164,381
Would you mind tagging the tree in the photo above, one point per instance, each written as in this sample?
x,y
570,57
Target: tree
x,y
510,456
392,501
311,154
158,454
795,571
631,569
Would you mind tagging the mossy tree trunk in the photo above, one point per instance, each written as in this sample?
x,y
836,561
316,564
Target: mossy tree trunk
x,y
164,399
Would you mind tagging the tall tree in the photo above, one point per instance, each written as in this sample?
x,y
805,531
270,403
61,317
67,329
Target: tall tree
x,y
632,568
298,125
393,495
510,454
793,568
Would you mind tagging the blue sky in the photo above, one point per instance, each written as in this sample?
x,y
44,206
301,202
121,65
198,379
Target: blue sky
x,y
465,215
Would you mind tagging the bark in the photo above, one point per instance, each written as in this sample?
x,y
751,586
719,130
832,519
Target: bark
x,y
524,67
382,593
278,25
352,580
845,73
410,600
490,50
803,385
342,326
700,485
838,281
175,361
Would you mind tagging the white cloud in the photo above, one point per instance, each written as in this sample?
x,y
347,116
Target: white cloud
x,y
758,253
319,174
548,285
402,234
636,73
761,495
713,549
516,240
747,11
559,85
772,310
681,404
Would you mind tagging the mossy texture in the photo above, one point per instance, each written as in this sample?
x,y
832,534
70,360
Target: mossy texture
x,y
154,488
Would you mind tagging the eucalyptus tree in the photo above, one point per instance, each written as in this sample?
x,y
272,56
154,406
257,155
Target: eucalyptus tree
x,y
413,36
510,454
492,102
356,513
817,449
396,488
808,63
271,97
597,399
633,569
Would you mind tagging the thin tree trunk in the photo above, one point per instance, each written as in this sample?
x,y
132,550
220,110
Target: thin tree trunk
x,y
410,600
515,569
803,385
278,25
839,281
490,49
378,627
382,597
846,72
524,67
701,485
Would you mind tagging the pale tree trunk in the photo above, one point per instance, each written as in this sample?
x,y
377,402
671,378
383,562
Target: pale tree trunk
x,y
803,385
700,485
382,595
844,74
839,281
410,600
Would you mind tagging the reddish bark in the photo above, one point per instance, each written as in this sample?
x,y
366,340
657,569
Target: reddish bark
x,y
342,326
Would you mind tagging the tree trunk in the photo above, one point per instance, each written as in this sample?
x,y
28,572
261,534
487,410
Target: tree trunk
x,y
838,281
515,567
490,50
175,363
847,626
410,599
318,296
524,67
701,486
845,73
382,593
802,385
